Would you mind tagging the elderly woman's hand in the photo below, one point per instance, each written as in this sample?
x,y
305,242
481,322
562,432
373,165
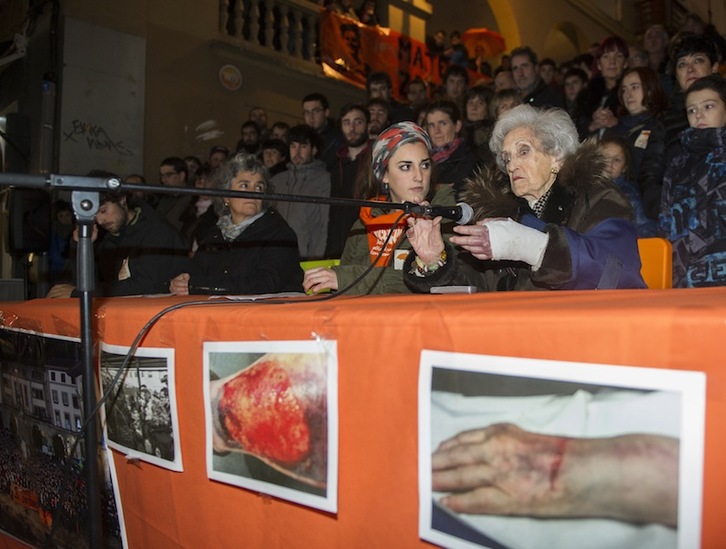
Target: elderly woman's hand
x,y
320,279
474,239
502,239
425,238
179,285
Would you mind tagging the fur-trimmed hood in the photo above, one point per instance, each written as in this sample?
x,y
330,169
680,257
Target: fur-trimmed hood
x,y
488,192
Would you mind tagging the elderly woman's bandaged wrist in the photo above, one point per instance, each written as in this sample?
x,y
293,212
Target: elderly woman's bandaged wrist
x,y
513,241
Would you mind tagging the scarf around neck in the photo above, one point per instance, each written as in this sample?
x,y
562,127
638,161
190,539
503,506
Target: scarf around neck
x,y
377,228
230,231
442,154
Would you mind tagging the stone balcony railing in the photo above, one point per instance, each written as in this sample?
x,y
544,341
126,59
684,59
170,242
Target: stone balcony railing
x,y
286,29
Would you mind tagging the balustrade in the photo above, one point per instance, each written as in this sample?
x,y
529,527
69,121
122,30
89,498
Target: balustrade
x,y
287,27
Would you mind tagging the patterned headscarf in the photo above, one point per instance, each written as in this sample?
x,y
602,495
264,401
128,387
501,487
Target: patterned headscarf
x,y
389,141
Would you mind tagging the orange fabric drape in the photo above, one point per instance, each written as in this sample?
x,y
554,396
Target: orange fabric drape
x,y
379,340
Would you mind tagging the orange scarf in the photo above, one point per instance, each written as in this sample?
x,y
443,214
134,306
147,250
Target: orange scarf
x,y
378,228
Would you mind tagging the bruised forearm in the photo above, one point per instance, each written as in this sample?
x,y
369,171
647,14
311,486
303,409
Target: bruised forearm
x,y
631,477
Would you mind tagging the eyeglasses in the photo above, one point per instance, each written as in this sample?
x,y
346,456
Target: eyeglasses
x,y
164,175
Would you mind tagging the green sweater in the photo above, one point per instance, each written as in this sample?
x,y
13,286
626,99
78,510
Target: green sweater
x,y
356,256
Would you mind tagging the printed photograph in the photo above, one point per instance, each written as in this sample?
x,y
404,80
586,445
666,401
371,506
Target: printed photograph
x,y
272,418
140,412
526,453
43,487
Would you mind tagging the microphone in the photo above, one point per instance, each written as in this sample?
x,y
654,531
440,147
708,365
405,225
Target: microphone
x,y
462,213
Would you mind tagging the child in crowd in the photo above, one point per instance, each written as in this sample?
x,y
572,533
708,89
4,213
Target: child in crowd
x,y
693,206
619,160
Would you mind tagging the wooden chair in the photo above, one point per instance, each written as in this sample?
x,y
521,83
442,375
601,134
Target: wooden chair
x,y
656,257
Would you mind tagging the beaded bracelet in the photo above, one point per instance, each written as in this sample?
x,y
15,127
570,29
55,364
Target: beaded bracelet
x,y
419,268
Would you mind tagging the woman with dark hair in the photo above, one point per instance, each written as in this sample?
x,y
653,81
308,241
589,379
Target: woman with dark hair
x,y
477,124
455,160
251,250
598,103
642,99
550,218
401,170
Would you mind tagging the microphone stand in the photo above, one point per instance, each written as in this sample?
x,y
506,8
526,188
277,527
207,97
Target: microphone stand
x,y
406,207
85,201
85,206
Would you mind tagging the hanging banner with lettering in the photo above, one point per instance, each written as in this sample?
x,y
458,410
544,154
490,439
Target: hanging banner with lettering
x,y
350,51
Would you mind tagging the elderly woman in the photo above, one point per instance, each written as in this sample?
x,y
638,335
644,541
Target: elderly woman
x,y
559,223
401,171
251,250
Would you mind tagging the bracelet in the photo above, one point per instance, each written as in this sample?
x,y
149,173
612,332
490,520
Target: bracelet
x,y
419,268
557,461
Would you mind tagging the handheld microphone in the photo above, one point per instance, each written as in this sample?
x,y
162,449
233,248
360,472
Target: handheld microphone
x,y
462,213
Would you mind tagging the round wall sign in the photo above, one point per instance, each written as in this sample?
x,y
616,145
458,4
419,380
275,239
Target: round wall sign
x,y
230,77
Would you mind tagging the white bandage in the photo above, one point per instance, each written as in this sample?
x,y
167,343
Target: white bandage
x,y
512,241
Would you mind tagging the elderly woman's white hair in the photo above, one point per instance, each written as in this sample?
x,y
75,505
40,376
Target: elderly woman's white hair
x,y
552,128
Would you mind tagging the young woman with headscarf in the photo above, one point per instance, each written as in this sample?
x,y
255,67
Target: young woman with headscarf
x,y
401,171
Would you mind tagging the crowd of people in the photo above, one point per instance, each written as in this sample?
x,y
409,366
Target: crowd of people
x,y
565,167
53,482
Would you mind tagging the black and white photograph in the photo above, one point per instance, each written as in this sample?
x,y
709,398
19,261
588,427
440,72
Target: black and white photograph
x,y
141,413
525,453
272,418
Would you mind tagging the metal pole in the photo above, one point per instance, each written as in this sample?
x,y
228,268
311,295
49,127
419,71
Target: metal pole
x,y
86,206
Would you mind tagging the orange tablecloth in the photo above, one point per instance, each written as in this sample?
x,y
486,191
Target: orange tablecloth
x,y
379,343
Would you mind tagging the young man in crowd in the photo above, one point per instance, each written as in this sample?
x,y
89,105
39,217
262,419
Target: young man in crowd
x,y
316,114
137,251
417,95
353,160
456,82
380,86
305,175
379,112
531,87
174,206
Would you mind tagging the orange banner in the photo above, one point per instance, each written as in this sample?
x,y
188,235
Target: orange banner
x,y
350,51
26,498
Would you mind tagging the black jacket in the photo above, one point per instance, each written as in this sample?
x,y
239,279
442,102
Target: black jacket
x,y
456,169
263,259
142,258
543,96
646,136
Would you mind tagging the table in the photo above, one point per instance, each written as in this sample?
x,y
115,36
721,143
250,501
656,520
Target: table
x,y
379,343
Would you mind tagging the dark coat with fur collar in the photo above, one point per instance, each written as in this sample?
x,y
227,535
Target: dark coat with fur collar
x,y
592,241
